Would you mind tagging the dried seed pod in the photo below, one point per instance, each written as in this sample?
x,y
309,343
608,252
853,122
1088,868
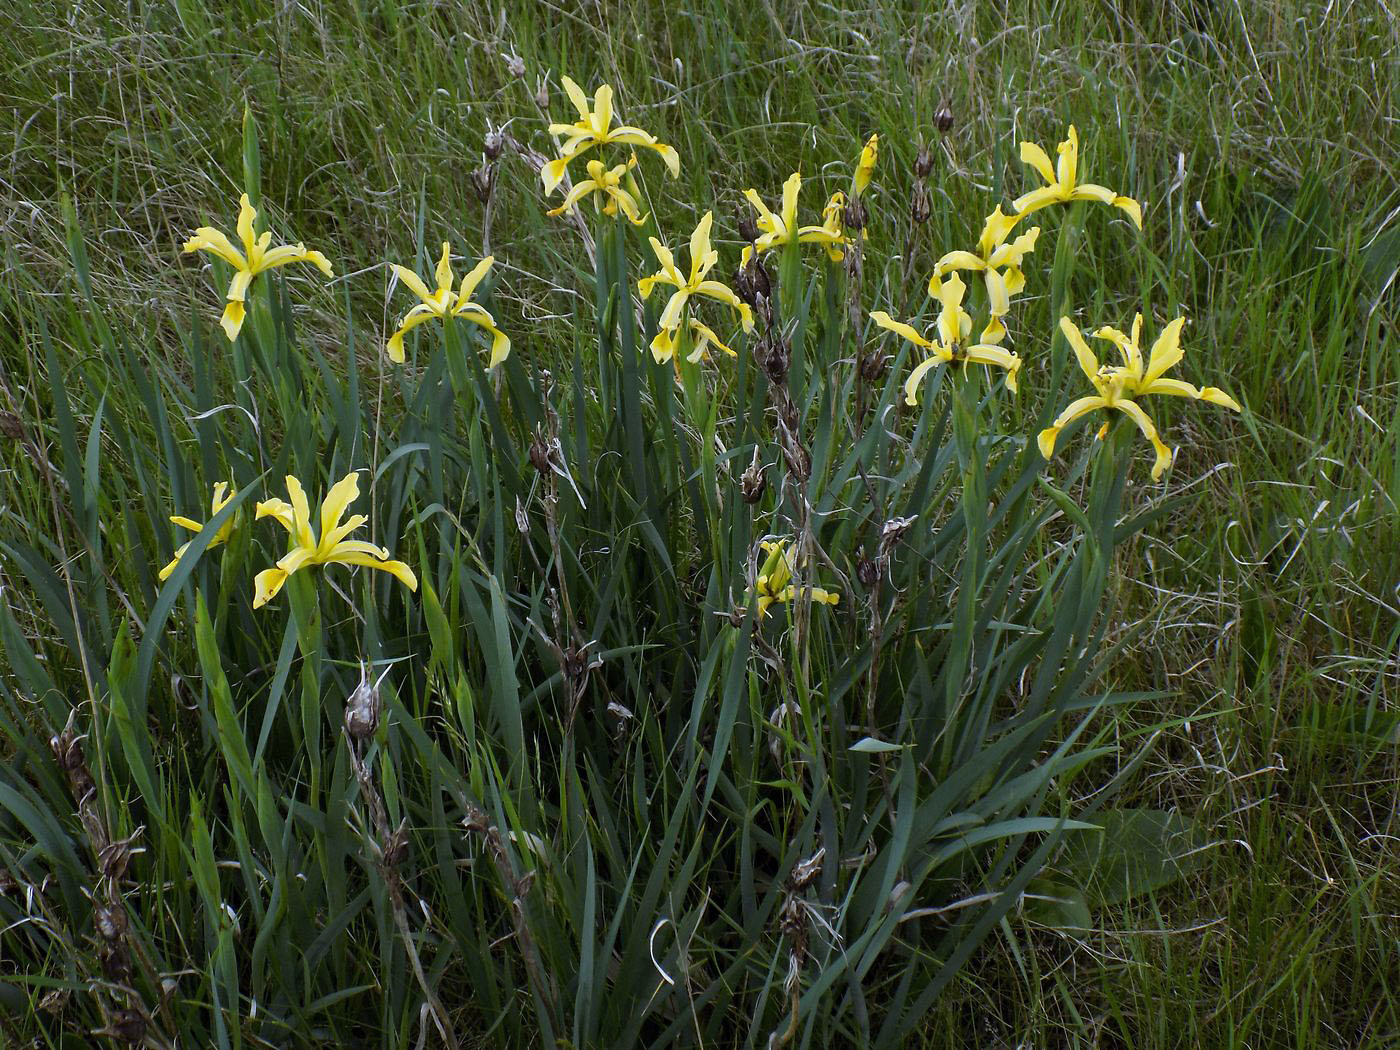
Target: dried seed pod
x,y
494,143
805,871
515,65
799,462
854,215
483,182
873,366
127,1025
539,453
68,750
110,921
362,708
754,481
11,426
868,571
748,228
394,849
943,119
776,359
923,162
892,532
116,962
920,207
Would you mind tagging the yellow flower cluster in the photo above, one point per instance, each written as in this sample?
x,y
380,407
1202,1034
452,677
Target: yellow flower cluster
x,y
327,545
999,258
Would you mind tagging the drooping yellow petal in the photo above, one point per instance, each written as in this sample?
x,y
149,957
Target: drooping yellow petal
x,y
232,320
916,377
397,569
1075,409
420,313
986,354
900,328
1134,412
266,585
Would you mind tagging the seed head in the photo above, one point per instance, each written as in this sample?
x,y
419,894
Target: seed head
x,y
754,481
362,708
515,65
943,119
110,921
920,207
483,182
923,163
854,216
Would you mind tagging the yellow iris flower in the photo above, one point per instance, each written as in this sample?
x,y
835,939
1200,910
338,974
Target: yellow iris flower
x,y
330,547
608,182
220,501
999,262
666,343
703,258
774,582
1119,386
594,128
1062,185
444,302
954,326
255,257
865,167
779,229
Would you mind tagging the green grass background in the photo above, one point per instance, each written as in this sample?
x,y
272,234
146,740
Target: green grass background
x,y
1262,136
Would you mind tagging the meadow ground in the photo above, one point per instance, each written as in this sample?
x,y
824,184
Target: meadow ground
x,y
1262,136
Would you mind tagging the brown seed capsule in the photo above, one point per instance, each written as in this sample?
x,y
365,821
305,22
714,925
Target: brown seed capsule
x,y
873,366
515,65
748,228
68,750
539,454
128,1025
799,462
943,119
867,571
116,962
923,162
920,207
754,481
395,847
854,216
892,532
483,182
776,359
110,921
494,143
11,426
362,709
